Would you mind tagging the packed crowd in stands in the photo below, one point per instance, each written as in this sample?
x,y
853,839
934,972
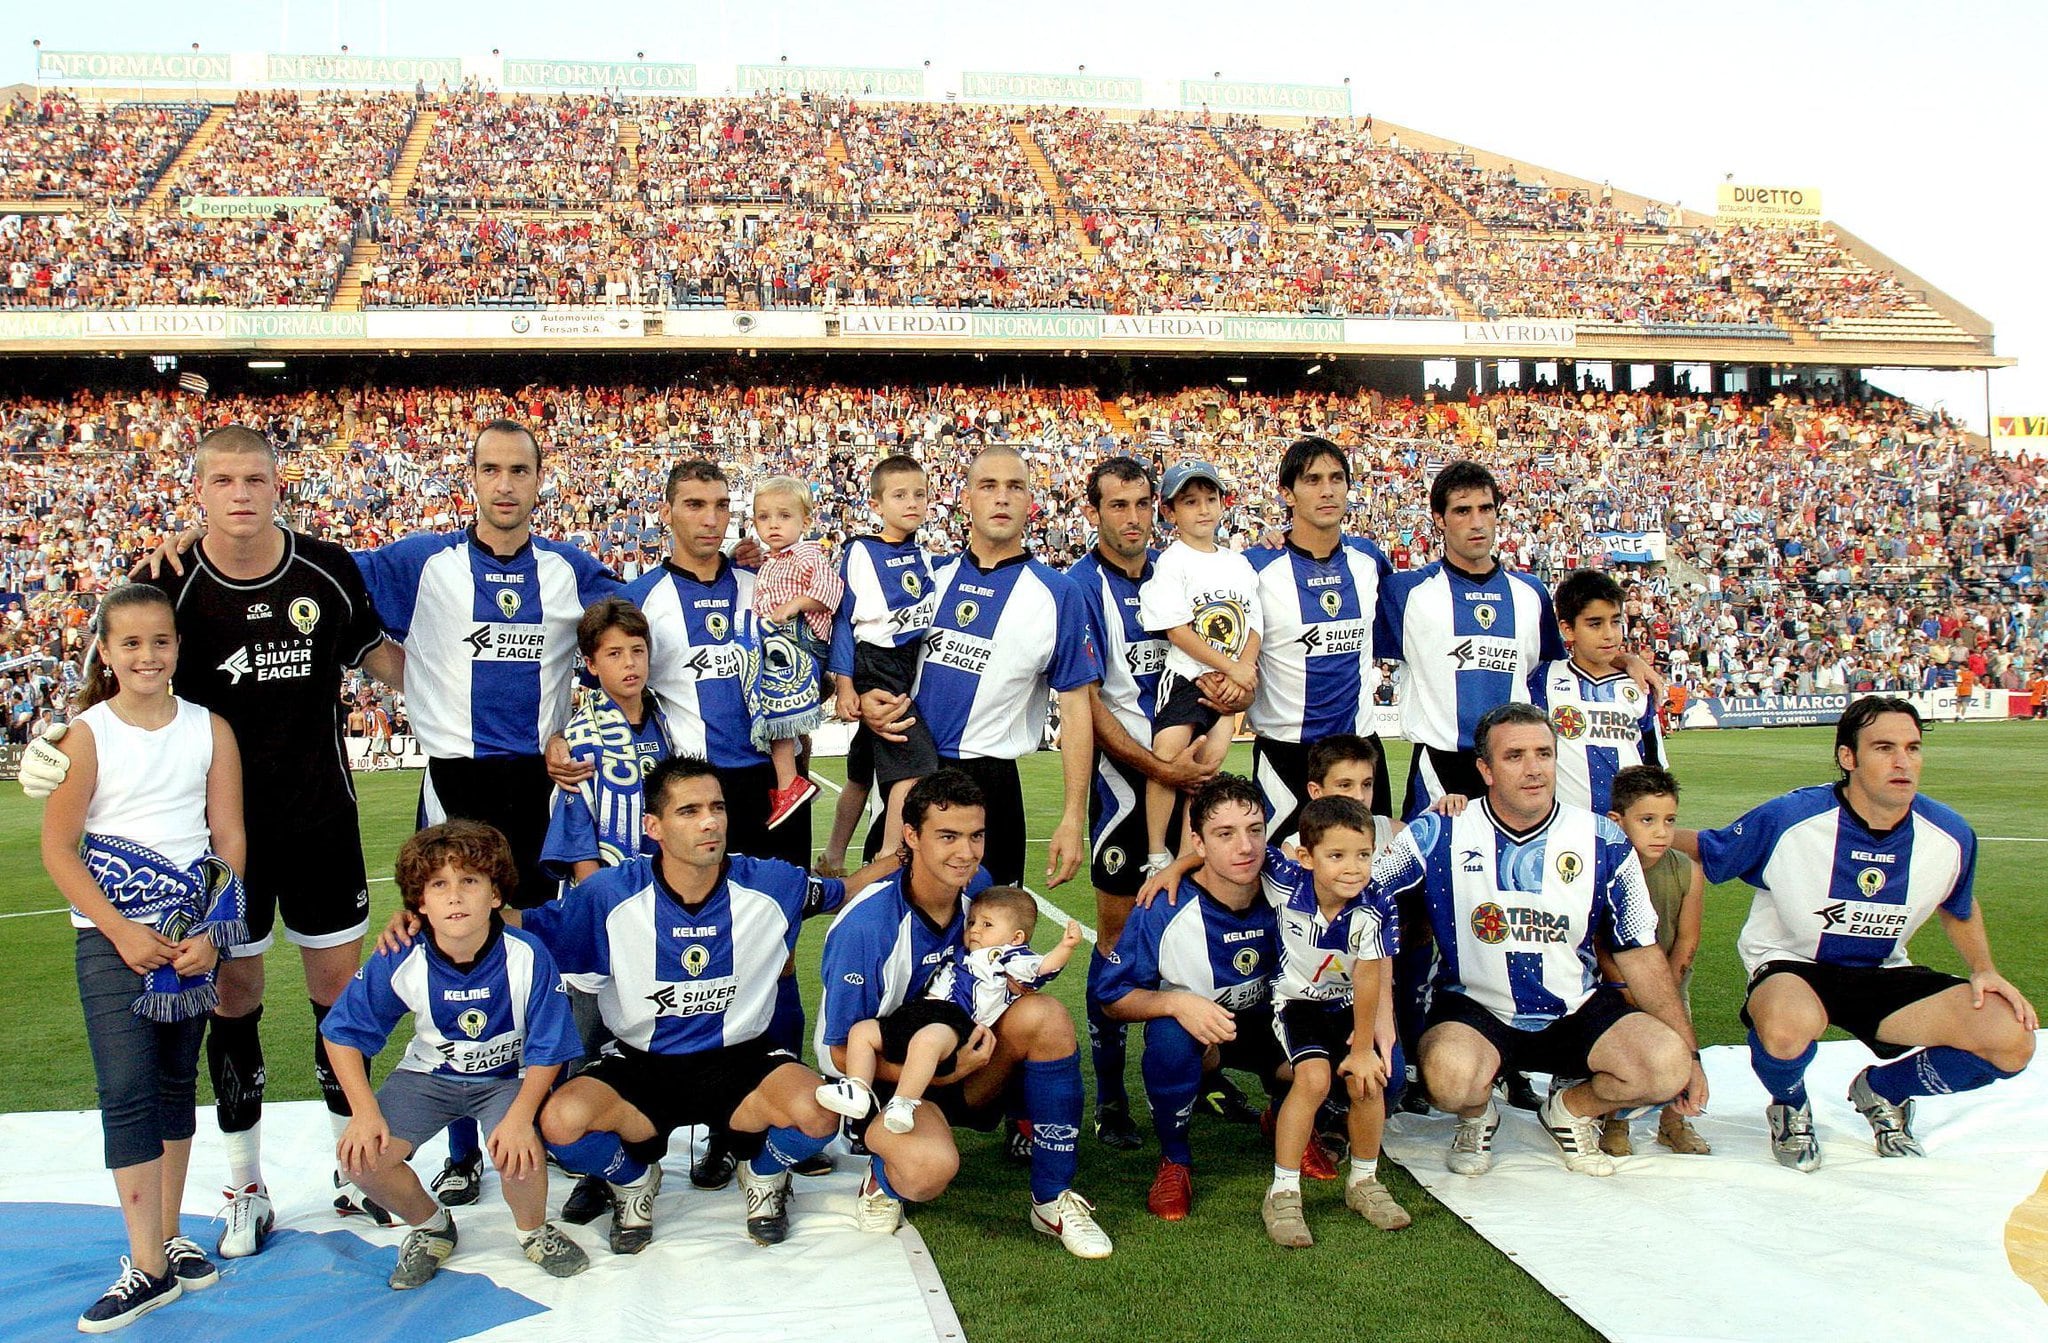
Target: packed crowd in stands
x,y
54,145
520,150
1331,170
113,261
1598,277
765,148
1162,162
1814,544
283,143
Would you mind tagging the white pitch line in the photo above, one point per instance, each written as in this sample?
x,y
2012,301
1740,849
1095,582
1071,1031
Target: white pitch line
x,y
2015,839
1053,911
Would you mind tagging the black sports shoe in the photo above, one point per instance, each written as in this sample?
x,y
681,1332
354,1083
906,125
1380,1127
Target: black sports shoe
x,y
820,1163
1414,1095
1520,1092
459,1182
588,1201
713,1168
1114,1129
133,1295
1017,1141
189,1264
1220,1097
350,1201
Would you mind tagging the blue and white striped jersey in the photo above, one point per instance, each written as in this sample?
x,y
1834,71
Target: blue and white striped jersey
x,y
1316,951
1132,657
490,643
1197,945
978,982
1468,644
1000,638
1831,890
1516,915
890,597
503,1013
1316,666
696,659
879,953
684,979
1604,724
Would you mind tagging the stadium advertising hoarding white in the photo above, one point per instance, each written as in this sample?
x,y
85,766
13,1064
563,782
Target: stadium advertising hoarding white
x,y
626,76
537,324
1767,205
1307,100
841,80
2031,430
1178,329
996,86
246,207
225,325
136,67
347,70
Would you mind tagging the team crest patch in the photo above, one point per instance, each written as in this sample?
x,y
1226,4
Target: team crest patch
x,y
508,602
716,625
1246,960
472,1023
1870,881
1569,720
304,613
911,583
1485,615
965,612
695,958
1332,601
1569,865
1113,859
1630,693
1222,625
1489,923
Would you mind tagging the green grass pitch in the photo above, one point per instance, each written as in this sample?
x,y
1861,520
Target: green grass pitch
x,y
1438,1280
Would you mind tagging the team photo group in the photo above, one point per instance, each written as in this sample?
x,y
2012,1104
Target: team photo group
x,y
597,942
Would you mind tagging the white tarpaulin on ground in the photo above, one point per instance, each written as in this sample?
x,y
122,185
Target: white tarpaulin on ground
x,y
1733,1246
701,1279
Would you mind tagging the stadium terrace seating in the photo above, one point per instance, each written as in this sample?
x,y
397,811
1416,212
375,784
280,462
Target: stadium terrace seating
x,y
63,261
768,149
1159,163
521,151
333,144
1331,170
54,146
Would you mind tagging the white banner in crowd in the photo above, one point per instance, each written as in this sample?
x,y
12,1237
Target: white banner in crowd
x,y
537,324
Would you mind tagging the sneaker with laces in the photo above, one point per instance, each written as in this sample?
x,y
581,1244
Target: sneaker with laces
x,y
1114,1129
900,1114
1172,1193
767,1205
1072,1218
1577,1136
1891,1125
587,1201
1792,1140
421,1256
249,1218
133,1295
1676,1132
1285,1226
714,1166
1221,1098
1315,1162
633,1212
1615,1139
459,1183
189,1264
784,803
557,1255
875,1211
848,1096
350,1201
1373,1201
1472,1144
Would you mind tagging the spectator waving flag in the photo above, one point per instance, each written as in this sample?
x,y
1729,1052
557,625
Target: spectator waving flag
x,y
1546,461
193,383
1431,465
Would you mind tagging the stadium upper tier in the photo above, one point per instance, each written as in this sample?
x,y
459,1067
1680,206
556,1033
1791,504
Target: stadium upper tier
x,y
452,200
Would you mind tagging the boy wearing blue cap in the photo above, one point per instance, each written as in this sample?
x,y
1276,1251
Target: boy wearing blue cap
x,y
1203,599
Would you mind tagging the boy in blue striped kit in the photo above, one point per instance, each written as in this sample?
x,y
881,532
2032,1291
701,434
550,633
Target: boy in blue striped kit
x,y
1604,721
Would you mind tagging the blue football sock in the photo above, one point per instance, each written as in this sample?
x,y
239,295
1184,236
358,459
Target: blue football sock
x,y
1172,1066
1785,1079
598,1153
783,1148
464,1143
881,1174
1105,1042
1052,1101
1939,1070
786,1026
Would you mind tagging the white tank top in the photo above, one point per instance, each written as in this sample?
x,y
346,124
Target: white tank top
x,y
152,785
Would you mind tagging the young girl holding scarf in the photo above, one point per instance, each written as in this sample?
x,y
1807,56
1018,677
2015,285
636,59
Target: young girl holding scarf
x,y
144,838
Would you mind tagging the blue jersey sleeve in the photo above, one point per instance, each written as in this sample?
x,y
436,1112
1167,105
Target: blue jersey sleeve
x,y
1366,546
1076,659
1963,899
1624,914
392,575
367,1011
594,582
1740,849
1388,615
571,837
1134,964
1550,639
572,926
1282,869
1374,929
855,958
549,1031
839,659
1405,864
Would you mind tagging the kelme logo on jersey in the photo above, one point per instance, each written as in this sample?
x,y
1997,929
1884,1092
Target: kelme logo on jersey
x,y
1246,960
1569,865
1870,881
508,602
472,1023
304,613
1569,720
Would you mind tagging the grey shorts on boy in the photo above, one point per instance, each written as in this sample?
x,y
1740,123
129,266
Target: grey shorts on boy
x,y
417,1105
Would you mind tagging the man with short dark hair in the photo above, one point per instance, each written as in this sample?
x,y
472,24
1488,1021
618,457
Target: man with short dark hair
x,y
1845,874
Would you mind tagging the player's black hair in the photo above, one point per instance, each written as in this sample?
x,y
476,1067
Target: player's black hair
x,y
1304,452
697,468
1637,782
1463,474
1324,814
1126,469
895,464
1336,749
670,772
1860,715
1507,715
609,613
1581,589
944,788
1218,791
505,426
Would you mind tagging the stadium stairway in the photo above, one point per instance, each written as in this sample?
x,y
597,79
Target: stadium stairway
x,y
629,143
160,194
835,151
348,290
1062,209
1268,212
1119,422
411,152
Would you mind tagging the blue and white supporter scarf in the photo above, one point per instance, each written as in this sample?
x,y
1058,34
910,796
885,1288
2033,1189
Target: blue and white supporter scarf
x,y
206,897
602,736
781,679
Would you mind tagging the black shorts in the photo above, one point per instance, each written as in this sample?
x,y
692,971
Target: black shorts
x,y
315,878
675,1090
1857,998
1433,773
1003,853
1560,1049
1310,1030
914,1016
1280,769
860,759
895,671
1180,705
513,793
1116,827
746,818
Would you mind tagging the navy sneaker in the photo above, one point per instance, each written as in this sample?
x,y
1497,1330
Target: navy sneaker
x,y
133,1295
189,1264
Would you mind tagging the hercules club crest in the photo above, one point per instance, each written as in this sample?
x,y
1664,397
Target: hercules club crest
x,y
472,1023
695,958
508,602
304,613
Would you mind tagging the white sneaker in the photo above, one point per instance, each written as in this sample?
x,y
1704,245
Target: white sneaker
x,y
848,1096
249,1217
875,1211
1072,1219
900,1114
1577,1136
1472,1144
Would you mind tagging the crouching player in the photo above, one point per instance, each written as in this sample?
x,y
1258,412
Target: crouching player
x,y
491,1030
